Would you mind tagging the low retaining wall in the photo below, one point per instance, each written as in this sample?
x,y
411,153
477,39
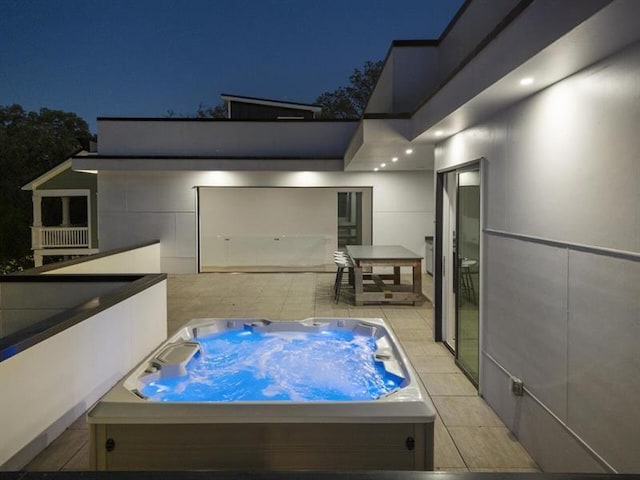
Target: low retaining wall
x,y
53,371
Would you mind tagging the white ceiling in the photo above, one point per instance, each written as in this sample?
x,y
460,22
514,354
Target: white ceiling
x,y
371,155
381,140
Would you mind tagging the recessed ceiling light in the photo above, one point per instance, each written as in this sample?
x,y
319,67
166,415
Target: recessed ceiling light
x,y
394,159
526,81
376,169
408,151
382,165
439,133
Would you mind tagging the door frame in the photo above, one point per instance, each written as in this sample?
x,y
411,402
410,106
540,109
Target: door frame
x,y
439,248
448,197
367,210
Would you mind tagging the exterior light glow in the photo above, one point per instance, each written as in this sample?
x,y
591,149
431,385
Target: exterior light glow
x,y
376,169
439,133
382,165
408,151
526,81
394,159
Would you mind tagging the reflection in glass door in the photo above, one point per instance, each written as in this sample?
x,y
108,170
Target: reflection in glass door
x,y
468,268
349,219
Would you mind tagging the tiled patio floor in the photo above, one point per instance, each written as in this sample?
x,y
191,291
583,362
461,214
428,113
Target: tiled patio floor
x,y
468,435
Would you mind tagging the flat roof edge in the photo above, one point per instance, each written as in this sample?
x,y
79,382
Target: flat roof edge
x,y
223,120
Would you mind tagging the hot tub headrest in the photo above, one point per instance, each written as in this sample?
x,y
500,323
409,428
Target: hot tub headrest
x,y
172,360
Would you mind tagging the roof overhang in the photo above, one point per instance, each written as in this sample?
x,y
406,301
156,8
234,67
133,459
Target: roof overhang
x,y
386,141
48,175
554,40
543,39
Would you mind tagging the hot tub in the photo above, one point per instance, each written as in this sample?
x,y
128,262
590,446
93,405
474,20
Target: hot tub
x,y
392,430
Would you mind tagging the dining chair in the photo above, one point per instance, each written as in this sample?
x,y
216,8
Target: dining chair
x,y
342,262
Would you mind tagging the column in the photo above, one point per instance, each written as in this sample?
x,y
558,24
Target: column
x,y
37,221
37,210
65,212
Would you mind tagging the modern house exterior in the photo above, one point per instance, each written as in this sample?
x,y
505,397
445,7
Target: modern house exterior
x,y
513,139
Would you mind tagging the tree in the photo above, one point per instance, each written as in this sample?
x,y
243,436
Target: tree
x,y
350,101
343,102
30,144
203,111
219,111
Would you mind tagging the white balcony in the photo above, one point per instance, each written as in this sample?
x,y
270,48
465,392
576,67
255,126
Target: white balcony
x,y
60,237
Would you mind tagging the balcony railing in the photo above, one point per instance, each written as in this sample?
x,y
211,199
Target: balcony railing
x,y
60,237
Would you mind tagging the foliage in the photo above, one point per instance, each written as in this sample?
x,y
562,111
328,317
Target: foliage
x,y
219,111
204,111
16,265
343,102
350,101
30,144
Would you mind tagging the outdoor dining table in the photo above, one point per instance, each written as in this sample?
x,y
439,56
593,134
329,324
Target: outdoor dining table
x,y
385,288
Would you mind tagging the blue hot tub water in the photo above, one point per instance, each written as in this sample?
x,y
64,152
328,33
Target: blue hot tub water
x,y
245,365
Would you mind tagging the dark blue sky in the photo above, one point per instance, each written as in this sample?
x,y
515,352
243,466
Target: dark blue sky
x,y
145,57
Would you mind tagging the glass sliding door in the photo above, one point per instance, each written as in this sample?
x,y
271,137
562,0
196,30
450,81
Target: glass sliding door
x,y
468,268
354,216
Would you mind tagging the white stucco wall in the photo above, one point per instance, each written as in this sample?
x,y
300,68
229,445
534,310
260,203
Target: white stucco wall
x,y
410,72
220,138
49,385
135,207
563,315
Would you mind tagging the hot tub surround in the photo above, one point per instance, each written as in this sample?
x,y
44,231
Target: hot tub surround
x,y
393,432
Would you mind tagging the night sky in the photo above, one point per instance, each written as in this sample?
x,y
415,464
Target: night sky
x,y
143,58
